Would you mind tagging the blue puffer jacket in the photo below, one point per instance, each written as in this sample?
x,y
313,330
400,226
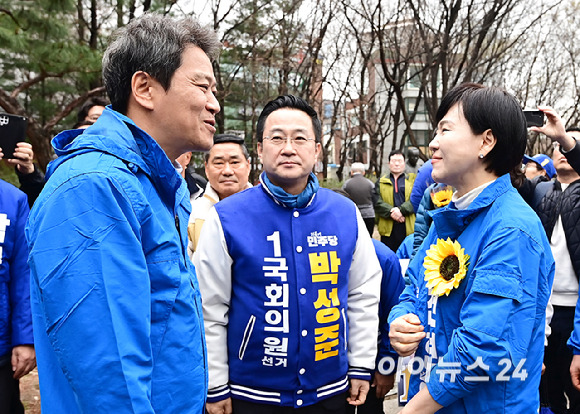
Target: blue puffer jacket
x,y
15,319
115,301
423,219
485,341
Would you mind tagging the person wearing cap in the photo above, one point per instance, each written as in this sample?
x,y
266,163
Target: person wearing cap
x,y
227,168
290,282
539,164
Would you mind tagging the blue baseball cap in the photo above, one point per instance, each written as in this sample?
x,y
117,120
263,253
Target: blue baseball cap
x,y
543,161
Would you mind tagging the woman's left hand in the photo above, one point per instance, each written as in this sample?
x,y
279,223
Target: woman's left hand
x,y
405,333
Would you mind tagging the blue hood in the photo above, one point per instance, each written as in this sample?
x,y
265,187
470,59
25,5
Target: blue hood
x,y
100,137
110,135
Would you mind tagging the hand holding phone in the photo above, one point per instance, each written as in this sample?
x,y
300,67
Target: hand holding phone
x,y
12,131
555,128
23,158
534,118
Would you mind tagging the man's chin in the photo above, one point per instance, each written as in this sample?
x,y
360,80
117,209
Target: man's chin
x,y
229,189
203,143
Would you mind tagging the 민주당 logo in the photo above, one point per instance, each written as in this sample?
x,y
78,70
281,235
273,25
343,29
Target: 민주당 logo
x,y
445,266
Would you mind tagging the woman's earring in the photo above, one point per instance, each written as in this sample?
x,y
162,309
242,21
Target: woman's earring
x,y
481,156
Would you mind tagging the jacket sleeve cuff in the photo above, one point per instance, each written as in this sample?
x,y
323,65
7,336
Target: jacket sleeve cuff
x,y
573,345
360,373
407,208
439,393
34,177
218,393
401,309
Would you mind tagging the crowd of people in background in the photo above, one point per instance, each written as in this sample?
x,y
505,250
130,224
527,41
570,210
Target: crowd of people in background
x,y
138,286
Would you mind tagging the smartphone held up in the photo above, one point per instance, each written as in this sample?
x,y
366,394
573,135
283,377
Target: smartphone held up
x,y
12,131
534,117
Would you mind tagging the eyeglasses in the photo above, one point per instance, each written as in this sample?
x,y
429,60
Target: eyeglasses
x,y
295,141
532,164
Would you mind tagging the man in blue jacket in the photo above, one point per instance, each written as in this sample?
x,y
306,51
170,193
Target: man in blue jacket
x,y
16,341
115,302
392,286
290,282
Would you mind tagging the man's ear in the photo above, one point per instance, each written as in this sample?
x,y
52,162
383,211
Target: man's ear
x,y
142,85
317,151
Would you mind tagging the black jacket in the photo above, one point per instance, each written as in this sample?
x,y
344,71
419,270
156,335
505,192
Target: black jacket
x,y
567,204
31,184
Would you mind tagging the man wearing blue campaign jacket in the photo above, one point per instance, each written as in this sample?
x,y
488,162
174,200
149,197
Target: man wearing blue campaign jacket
x,y
16,341
290,282
392,285
115,302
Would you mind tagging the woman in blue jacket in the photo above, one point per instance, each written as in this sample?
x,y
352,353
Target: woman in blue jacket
x,y
474,312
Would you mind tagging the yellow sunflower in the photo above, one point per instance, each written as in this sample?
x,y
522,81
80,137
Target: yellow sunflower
x,y
442,197
445,266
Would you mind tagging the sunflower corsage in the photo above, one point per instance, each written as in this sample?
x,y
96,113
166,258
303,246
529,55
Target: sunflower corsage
x,y
445,266
441,195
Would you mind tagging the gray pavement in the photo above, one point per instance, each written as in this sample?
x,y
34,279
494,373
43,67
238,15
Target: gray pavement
x,y
391,405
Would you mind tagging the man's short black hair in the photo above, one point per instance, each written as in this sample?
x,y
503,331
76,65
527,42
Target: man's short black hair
x,y
89,103
396,152
221,138
226,138
290,102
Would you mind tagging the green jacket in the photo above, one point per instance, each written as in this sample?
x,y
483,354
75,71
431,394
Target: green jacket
x,y
385,202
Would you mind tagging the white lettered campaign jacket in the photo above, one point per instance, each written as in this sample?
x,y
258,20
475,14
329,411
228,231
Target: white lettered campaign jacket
x,y
290,297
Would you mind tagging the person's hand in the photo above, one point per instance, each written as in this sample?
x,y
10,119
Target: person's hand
x,y
575,371
23,157
555,129
383,384
405,333
358,391
220,407
23,360
397,215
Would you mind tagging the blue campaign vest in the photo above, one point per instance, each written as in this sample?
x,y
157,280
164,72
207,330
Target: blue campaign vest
x,y
287,330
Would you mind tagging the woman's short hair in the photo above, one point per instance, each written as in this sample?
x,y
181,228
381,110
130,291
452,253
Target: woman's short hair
x,y
495,109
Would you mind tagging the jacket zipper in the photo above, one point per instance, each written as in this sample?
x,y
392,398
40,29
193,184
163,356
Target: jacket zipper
x,y
200,317
345,327
246,337
180,241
